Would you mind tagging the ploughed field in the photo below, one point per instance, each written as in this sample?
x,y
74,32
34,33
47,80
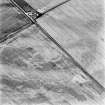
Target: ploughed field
x,y
34,70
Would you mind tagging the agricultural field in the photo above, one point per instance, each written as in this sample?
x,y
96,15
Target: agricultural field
x,y
57,58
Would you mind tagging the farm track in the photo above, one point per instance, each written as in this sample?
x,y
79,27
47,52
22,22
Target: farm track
x,y
43,62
